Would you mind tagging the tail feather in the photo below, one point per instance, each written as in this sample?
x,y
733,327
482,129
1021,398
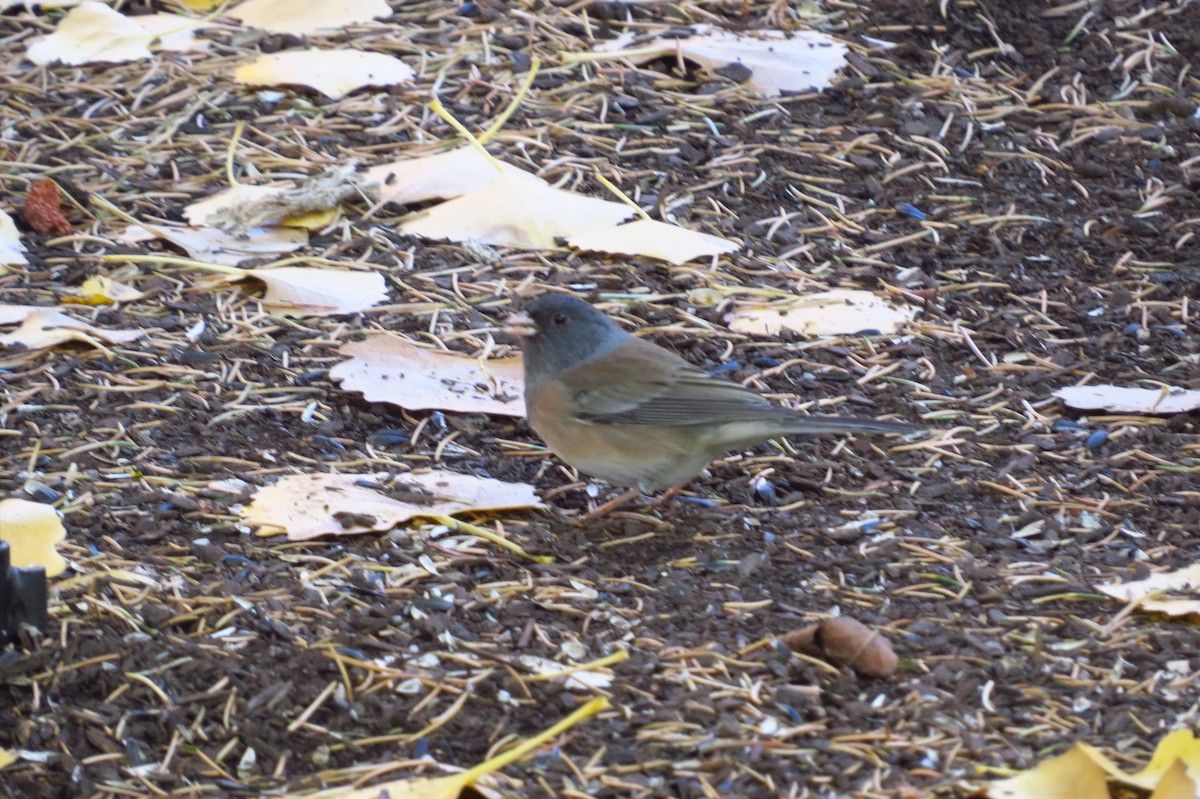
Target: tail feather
x,y
799,424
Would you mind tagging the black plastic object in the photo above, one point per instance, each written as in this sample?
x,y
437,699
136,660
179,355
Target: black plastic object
x,y
23,595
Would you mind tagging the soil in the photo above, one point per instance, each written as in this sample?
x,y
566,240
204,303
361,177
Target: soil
x,y
1028,176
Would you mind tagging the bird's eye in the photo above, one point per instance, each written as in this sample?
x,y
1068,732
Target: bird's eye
x,y
560,319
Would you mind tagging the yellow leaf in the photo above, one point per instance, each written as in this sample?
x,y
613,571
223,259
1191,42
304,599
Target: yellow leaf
x,y
1074,775
7,758
93,32
31,530
1175,784
99,290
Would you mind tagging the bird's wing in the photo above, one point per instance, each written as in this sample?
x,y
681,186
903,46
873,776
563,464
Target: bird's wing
x,y
657,387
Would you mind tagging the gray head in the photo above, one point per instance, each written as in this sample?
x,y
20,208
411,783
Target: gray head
x,y
562,332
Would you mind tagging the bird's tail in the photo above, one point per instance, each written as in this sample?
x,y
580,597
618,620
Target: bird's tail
x,y
799,424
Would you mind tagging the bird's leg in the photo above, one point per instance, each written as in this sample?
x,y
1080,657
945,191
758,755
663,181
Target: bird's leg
x,y
611,505
618,501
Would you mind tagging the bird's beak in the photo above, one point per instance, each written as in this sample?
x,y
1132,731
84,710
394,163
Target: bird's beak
x,y
520,325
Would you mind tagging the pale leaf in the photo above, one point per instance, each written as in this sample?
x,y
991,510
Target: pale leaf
x,y
671,243
311,505
334,73
439,176
311,205
1130,400
217,246
394,370
311,291
48,327
12,251
574,680
31,530
513,212
1145,592
308,16
778,62
828,313
93,32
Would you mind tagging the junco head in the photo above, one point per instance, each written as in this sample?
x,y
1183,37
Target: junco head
x,y
632,413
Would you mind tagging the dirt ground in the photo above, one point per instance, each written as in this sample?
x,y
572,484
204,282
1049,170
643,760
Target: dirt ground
x,y
1030,177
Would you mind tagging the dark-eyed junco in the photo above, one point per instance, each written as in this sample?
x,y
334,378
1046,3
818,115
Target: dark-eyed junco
x,y
632,413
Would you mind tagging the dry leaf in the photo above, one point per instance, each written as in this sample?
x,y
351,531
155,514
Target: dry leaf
x,y
395,370
828,313
671,243
217,246
439,176
93,32
1081,773
575,680
1073,775
7,758
48,327
310,505
12,251
43,209
1130,400
31,530
334,73
100,290
310,291
514,212
777,62
846,642
308,16
1140,591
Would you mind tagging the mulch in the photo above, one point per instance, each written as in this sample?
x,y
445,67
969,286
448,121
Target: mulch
x,y
1027,174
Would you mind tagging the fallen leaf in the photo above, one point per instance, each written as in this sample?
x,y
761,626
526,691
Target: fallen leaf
x,y
217,246
1073,775
31,530
47,327
334,73
439,176
93,32
311,291
312,205
310,505
1140,591
776,61
308,16
12,250
7,758
100,290
395,370
1158,401
43,209
671,243
573,679
514,212
828,313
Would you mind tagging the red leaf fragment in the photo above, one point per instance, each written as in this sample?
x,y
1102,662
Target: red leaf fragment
x,y
43,209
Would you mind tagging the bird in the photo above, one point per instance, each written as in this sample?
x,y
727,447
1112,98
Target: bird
x,y
634,414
